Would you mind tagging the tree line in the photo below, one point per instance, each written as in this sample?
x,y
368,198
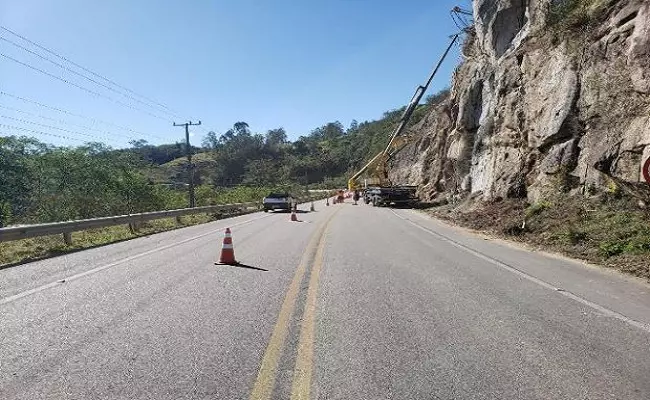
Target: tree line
x,y
43,183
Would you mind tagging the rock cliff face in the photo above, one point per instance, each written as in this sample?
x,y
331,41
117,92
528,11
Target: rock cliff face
x,y
551,95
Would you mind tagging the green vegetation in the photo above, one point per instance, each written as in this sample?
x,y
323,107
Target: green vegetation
x,y
41,183
574,15
327,154
207,195
607,229
45,246
618,232
536,208
44,183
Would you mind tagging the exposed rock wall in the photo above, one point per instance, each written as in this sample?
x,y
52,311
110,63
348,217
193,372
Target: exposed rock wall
x,y
535,109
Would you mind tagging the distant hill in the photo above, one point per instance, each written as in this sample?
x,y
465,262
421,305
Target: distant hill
x,y
176,169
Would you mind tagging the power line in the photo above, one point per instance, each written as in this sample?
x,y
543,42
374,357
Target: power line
x,y
52,127
204,129
67,123
85,89
38,132
94,120
88,70
79,74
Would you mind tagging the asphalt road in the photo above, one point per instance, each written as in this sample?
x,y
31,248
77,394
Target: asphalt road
x,y
354,302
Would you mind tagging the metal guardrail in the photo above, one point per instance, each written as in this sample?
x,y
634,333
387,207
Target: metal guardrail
x,y
67,227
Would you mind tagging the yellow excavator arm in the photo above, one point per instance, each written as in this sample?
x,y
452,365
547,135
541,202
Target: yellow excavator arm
x,y
376,168
377,163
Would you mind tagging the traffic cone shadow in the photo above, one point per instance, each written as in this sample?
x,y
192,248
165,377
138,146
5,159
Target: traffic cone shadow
x,y
227,256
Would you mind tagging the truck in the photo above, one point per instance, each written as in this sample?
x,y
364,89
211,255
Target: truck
x,y
397,196
278,201
378,189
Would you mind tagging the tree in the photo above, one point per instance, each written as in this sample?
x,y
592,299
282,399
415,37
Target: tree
x,y
354,126
275,138
40,183
211,141
16,175
333,130
138,144
241,128
261,172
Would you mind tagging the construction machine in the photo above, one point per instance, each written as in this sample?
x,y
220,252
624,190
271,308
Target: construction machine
x,y
377,187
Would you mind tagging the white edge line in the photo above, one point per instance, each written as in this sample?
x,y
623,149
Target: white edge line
x,y
597,307
26,293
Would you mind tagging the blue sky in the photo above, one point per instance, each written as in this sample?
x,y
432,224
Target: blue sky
x,y
292,64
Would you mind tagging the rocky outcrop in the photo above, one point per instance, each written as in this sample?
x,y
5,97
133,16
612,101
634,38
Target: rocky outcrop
x,y
539,104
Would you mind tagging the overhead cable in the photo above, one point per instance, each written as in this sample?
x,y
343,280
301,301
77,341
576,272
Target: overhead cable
x,y
172,112
85,89
94,120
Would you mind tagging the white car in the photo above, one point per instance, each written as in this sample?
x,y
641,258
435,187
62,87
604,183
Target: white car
x,y
278,201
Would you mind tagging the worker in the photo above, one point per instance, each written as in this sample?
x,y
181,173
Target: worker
x,y
355,197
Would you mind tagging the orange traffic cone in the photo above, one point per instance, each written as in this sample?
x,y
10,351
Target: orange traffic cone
x,y
294,218
227,250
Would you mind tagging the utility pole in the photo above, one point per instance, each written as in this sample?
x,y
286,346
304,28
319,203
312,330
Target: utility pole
x,y
188,150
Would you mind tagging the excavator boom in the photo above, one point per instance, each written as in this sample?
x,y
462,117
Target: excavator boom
x,y
378,164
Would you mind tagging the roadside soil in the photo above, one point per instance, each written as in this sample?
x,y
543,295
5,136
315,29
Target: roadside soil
x,y
605,230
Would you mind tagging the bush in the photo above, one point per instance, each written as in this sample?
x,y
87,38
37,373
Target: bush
x,y
573,14
566,17
610,248
572,235
5,213
638,244
621,232
537,208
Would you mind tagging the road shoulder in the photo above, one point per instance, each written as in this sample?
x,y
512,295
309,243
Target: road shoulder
x,y
612,290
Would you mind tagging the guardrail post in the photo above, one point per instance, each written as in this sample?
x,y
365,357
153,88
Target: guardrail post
x,y
134,222
67,238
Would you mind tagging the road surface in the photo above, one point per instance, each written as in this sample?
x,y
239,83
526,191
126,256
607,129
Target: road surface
x,y
354,302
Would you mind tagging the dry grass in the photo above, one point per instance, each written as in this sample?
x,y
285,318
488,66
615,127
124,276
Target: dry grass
x,y
606,230
46,246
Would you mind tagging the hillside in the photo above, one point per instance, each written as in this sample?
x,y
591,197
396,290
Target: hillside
x,y
548,110
324,157
544,94
44,183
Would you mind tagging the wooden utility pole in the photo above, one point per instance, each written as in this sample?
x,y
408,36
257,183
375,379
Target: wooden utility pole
x,y
188,150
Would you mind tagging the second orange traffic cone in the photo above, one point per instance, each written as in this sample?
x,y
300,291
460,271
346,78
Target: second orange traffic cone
x,y
227,250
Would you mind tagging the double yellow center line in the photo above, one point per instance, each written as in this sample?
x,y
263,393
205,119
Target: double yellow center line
x,y
265,382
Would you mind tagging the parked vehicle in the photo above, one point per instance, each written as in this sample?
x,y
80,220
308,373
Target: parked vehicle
x,y
278,201
381,191
391,196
